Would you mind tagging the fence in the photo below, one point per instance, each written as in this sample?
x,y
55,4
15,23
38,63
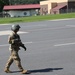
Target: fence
x,y
67,10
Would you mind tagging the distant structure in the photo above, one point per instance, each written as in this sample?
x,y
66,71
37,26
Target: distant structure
x,y
57,6
21,10
45,7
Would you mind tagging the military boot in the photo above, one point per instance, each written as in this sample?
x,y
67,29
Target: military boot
x,y
25,72
7,70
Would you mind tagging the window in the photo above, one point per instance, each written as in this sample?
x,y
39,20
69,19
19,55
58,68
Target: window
x,y
25,13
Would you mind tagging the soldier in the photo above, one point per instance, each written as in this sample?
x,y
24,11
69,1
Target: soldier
x,y
15,44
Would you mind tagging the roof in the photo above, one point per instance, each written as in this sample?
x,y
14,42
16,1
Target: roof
x,y
17,7
59,7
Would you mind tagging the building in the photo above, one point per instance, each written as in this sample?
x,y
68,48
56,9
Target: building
x,y
45,7
21,10
56,6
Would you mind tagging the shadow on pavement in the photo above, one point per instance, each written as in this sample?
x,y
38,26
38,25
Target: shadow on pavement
x,y
40,70
45,70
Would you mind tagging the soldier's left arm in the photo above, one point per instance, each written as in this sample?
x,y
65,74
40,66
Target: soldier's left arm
x,y
21,44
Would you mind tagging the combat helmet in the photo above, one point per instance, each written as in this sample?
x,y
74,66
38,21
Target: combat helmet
x,y
15,27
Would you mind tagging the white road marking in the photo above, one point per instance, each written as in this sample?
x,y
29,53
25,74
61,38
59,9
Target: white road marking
x,y
4,45
9,44
6,24
7,32
27,42
70,25
65,44
62,19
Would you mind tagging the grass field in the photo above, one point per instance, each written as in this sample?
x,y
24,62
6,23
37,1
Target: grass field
x,y
37,18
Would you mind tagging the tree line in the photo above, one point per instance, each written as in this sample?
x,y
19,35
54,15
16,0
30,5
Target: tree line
x,y
13,2
2,3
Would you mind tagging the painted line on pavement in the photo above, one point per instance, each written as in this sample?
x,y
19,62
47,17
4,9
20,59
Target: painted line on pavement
x,y
4,45
9,44
62,19
70,25
7,32
65,44
6,24
27,42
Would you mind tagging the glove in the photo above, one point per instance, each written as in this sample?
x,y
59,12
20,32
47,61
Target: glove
x,y
22,45
25,48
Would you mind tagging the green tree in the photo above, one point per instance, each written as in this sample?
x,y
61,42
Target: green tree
x,y
2,3
16,2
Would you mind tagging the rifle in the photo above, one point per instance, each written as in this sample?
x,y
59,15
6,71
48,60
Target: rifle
x,y
23,46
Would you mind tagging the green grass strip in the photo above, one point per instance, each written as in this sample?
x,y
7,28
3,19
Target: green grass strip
x,y
37,18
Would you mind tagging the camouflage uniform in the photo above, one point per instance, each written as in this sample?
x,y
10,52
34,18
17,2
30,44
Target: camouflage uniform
x,y
14,48
15,44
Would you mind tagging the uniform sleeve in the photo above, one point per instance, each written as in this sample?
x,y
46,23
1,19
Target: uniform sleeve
x,y
9,40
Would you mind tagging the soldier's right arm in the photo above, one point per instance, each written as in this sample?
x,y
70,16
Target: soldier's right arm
x,y
13,40
10,40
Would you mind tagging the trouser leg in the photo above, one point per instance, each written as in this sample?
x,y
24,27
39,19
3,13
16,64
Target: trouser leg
x,y
18,63
9,62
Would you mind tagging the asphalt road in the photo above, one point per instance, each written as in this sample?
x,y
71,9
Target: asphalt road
x,y
50,48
